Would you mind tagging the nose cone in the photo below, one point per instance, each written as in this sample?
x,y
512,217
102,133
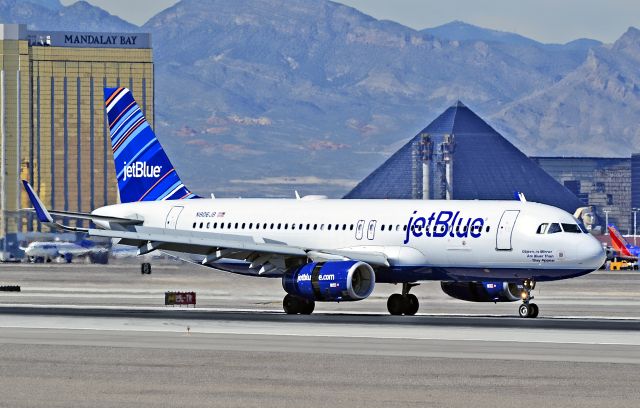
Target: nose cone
x,y
592,254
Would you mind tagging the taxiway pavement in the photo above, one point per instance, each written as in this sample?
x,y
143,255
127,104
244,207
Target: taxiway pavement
x,y
99,336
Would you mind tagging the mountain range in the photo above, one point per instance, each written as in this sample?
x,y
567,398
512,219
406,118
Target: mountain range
x,y
276,95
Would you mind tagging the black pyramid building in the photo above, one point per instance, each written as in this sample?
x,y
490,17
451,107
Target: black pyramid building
x,y
459,156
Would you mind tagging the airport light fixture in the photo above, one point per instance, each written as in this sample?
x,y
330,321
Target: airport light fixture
x,y
606,221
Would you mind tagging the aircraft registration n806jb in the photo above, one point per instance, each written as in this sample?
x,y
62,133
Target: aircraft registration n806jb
x,y
334,250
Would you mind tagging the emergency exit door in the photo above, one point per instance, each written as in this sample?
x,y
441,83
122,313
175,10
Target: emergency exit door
x,y
505,230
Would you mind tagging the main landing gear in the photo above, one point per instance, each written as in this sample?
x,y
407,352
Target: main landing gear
x,y
405,303
528,309
297,305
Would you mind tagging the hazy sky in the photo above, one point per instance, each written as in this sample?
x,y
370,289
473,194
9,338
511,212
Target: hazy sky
x,y
555,21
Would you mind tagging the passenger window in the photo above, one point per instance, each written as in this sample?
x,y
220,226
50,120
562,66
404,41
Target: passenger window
x,y
337,227
488,228
572,228
264,226
243,225
208,225
279,225
315,227
250,225
286,226
215,225
351,228
554,228
328,227
397,227
382,227
229,225
293,226
257,225
344,227
222,225
200,225
194,225
272,224
308,226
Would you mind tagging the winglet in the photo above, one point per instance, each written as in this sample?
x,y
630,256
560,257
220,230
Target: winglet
x,y
41,211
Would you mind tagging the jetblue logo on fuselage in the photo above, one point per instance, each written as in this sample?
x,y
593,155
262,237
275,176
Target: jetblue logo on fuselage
x,y
140,170
442,224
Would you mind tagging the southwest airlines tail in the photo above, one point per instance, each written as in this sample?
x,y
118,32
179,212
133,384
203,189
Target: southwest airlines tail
x,y
143,169
618,242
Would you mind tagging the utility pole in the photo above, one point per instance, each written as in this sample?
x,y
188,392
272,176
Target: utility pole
x,y
635,211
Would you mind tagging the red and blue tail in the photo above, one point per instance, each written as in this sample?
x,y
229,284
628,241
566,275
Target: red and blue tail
x,y
143,169
618,242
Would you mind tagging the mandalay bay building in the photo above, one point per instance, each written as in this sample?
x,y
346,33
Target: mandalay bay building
x,y
52,120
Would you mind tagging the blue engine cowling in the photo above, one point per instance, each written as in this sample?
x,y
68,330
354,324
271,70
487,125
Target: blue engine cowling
x,y
331,281
483,291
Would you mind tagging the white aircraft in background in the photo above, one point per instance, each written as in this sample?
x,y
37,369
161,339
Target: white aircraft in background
x,y
334,250
43,251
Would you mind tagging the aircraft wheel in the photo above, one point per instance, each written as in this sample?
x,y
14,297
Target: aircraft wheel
x,y
145,268
307,307
534,310
295,305
412,305
524,310
396,304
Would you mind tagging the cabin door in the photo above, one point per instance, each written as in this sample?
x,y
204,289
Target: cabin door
x,y
505,230
172,217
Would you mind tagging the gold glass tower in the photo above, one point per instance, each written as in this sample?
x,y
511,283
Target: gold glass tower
x,y
52,121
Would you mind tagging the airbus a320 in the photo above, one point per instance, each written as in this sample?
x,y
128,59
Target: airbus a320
x,y
333,250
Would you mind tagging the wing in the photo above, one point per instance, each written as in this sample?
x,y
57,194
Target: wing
x,y
264,255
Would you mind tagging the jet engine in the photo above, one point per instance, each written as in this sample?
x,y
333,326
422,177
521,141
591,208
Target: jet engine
x,y
483,291
336,281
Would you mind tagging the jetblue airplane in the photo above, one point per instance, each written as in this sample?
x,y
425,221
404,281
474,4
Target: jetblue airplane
x,y
334,250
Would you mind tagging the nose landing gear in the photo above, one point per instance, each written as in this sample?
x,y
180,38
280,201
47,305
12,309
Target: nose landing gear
x,y
528,309
405,303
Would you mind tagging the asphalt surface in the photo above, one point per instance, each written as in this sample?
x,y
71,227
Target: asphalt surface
x,y
99,336
604,294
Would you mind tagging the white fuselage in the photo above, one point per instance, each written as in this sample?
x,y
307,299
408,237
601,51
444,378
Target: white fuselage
x,y
491,240
54,249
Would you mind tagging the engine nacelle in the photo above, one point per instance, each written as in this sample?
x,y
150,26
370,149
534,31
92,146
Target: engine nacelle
x,y
483,291
331,281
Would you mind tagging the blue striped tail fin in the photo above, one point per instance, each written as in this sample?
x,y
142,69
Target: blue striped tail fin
x,y
143,169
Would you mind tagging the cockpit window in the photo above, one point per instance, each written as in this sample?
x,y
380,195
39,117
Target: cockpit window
x,y
542,228
553,228
573,228
582,227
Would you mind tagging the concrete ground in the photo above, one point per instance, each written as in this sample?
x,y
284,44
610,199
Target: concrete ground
x,y
602,293
88,335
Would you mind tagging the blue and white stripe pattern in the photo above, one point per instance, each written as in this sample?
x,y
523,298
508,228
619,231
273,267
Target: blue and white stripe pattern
x,y
143,169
